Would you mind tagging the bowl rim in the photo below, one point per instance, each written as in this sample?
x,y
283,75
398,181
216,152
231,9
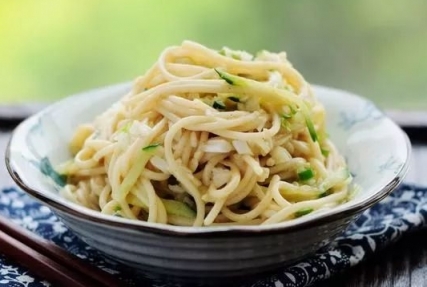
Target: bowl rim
x,y
82,213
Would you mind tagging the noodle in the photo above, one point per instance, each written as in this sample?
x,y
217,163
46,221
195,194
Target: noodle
x,y
209,138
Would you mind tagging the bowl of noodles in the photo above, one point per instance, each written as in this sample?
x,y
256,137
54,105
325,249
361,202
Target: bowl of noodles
x,y
211,164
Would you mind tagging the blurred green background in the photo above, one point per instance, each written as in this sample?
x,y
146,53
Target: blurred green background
x,y
53,48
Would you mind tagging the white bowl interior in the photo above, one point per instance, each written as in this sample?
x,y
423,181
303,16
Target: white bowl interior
x,y
375,148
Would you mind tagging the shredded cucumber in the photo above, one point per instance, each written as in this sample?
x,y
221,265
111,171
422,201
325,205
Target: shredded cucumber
x,y
174,207
274,97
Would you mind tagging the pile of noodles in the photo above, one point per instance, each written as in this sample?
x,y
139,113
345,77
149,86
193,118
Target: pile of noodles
x,y
209,138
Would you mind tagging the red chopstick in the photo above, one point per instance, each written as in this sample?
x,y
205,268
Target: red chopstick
x,y
48,260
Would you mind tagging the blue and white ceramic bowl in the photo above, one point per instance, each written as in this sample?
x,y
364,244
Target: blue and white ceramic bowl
x,y
376,149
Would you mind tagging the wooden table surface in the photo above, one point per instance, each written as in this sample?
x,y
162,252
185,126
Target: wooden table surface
x,y
402,264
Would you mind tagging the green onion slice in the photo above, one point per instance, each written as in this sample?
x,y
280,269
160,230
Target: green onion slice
x,y
303,211
325,193
218,105
234,99
311,129
325,152
306,174
150,147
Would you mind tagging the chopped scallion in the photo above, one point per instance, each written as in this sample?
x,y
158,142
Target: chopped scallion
x,y
311,129
325,193
234,99
218,105
289,115
306,174
117,208
230,79
286,117
303,211
325,152
150,147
